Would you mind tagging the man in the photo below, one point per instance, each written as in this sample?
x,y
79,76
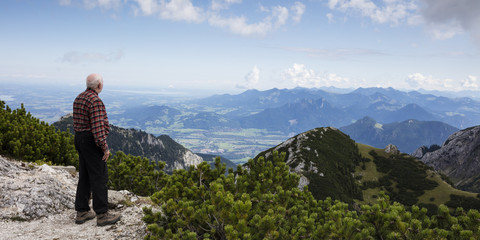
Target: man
x,y
91,126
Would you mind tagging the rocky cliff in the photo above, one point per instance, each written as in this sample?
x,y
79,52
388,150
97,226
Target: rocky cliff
x,y
37,202
139,143
458,158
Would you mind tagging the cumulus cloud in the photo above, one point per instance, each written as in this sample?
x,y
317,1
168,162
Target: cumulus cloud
x,y
301,76
251,79
428,82
393,11
177,10
447,18
239,25
79,57
277,17
187,11
471,83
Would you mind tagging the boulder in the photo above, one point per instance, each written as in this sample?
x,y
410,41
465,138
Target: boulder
x,y
391,149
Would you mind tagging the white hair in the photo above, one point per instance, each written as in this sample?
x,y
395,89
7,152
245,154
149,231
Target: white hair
x,y
93,80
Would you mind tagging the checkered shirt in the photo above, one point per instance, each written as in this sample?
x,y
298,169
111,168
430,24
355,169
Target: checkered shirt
x,y
89,114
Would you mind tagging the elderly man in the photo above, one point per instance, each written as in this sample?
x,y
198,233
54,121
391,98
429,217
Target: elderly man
x,y
91,126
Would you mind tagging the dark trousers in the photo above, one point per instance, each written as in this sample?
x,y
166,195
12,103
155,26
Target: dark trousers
x,y
93,175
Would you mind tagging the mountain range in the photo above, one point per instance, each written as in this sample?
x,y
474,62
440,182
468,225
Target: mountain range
x,y
300,109
383,104
406,135
207,124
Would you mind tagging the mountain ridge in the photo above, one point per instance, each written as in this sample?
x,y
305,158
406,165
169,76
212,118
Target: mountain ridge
x,y
407,135
140,143
331,164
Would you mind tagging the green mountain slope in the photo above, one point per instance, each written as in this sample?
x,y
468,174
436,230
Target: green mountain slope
x,y
333,165
326,158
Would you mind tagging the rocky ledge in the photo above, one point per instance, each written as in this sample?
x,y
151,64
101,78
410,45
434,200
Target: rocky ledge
x,y
37,202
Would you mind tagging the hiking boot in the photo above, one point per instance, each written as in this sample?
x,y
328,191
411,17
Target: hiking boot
x,y
107,219
84,216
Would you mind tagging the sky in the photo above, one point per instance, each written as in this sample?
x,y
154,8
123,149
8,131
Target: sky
x,y
235,45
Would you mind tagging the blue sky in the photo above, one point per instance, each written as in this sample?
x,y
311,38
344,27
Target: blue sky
x,y
234,45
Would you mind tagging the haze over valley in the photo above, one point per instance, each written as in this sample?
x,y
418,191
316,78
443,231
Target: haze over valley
x,y
239,126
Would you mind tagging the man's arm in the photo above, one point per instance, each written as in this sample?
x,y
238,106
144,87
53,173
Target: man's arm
x,y
100,127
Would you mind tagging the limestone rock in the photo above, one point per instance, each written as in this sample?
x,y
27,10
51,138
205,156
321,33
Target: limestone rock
x,y
420,152
32,192
392,149
459,159
42,198
115,198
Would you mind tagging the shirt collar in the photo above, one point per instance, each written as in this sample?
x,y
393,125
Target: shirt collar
x,y
91,90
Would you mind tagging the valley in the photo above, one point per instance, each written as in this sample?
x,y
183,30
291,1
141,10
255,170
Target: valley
x,y
239,126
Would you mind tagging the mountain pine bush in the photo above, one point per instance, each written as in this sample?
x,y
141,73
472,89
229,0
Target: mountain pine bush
x,y
262,201
24,137
136,174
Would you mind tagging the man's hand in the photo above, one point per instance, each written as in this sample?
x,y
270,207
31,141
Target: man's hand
x,y
106,155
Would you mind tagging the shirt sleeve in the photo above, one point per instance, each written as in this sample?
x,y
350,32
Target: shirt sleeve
x,y
99,123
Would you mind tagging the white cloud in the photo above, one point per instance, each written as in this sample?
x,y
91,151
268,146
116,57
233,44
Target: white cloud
x,y
393,11
280,14
471,83
301,76
251,79
239,25
177,10
181,10
79,57
444,30
298,10
452,17
428,82
147,7
185,10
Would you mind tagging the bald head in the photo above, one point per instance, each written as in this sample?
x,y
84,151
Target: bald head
x,y
95,82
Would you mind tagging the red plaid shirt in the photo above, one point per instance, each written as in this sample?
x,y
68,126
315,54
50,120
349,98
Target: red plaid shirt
x,y
89,114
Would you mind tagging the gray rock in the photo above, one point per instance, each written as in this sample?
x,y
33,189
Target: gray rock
x,y
70,169
115,198
419,152
30,192
43,198
392,149
459,159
